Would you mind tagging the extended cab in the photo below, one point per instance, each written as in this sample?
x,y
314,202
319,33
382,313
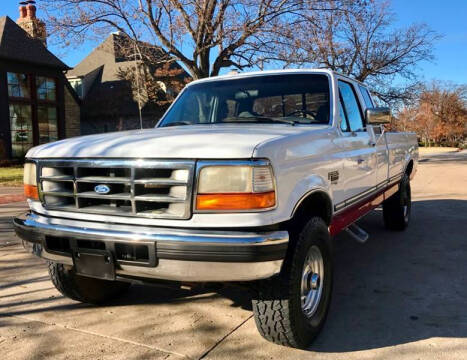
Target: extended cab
x,y
246,178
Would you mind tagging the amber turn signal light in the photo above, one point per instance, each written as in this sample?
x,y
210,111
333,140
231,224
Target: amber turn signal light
x,y
30,191
248,201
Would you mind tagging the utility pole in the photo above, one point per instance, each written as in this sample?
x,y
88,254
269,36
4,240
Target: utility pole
x,y
138,90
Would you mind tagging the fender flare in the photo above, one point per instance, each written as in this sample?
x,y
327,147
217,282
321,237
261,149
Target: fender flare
x,y
321,187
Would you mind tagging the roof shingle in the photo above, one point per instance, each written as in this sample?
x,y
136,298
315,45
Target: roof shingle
x,y
16,44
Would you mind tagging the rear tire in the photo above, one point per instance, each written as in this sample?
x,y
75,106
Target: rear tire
x,y
396,209
83,288
290,309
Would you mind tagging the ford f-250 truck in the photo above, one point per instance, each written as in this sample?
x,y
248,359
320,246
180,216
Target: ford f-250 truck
x,y
246,178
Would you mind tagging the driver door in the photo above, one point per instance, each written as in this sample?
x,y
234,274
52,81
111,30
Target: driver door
x,y
359,156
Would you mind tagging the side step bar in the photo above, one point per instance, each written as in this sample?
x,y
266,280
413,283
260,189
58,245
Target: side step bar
x,y
357,233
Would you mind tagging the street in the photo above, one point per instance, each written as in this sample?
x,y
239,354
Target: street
x,y
398,296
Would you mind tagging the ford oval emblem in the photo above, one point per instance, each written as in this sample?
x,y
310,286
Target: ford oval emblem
x,y
102,189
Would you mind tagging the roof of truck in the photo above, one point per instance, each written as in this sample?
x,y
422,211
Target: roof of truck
x,y
231,76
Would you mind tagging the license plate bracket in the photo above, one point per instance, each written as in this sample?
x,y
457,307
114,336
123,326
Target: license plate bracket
x,y
98,264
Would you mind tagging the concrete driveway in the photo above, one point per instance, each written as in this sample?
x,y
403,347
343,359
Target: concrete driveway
x,y
399,296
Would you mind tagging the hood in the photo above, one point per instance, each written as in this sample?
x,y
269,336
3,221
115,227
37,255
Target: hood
x,y
195,141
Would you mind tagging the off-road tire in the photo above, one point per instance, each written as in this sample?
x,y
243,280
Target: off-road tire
x,y
277,306
397,209
83,288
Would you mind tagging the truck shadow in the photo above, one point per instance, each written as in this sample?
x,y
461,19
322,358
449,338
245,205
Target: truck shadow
x,y
400,287
397,288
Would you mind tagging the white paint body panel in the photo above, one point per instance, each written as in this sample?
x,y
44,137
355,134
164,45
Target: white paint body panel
x,y
184,142
301,157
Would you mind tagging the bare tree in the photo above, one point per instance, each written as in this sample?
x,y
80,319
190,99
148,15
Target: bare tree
x,y
204,35
358,39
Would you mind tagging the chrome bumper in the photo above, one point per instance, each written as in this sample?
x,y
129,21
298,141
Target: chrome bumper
x,y
174,254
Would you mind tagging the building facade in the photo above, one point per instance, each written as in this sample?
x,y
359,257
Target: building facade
x,y
37,104
109,99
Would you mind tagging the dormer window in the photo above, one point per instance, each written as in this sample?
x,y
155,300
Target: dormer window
x,y
77,85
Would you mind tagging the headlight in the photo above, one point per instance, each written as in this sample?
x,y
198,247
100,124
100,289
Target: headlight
x,y
235,187
30,181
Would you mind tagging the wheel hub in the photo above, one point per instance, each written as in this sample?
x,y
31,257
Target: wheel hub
x,y
312,281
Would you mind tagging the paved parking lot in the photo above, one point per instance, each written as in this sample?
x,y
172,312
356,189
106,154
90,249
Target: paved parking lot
x,y
399,296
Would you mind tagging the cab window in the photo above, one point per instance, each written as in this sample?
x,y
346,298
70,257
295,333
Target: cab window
x,y
366,97
350,107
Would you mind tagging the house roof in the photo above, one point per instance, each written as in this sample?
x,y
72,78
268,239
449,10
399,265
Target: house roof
x,y
106,92
111,56
16,44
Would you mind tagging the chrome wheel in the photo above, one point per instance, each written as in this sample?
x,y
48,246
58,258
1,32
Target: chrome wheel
x,y
312,281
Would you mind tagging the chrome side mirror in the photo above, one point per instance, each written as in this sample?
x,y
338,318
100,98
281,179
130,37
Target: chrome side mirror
x,y
378,116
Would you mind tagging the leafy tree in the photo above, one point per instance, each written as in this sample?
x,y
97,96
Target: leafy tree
x,y
439,117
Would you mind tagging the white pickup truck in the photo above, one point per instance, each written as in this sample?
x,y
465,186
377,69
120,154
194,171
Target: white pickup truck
x,y
246,178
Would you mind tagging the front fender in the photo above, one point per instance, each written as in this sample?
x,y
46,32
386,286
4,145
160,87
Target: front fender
x,y
306,187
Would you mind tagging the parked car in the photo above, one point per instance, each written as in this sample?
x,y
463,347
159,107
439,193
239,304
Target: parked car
x,y
246,179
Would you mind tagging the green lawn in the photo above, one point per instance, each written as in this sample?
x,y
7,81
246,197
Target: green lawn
x,y
11,176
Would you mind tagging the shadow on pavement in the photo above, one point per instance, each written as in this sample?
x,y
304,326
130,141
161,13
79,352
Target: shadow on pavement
x,y
400,287
447,158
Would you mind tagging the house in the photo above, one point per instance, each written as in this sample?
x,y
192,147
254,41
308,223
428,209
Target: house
x,y
37,103
110,100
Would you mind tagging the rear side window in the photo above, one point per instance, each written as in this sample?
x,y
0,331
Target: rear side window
x,y
366,97
351,107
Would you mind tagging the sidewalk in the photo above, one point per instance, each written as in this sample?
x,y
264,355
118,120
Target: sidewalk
x,y
12,203
10,194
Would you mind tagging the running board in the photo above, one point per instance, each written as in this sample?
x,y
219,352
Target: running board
x,y
357,233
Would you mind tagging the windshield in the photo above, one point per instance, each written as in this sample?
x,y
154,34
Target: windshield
x,y
290,99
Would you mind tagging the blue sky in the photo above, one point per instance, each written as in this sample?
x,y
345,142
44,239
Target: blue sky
x,y
447,18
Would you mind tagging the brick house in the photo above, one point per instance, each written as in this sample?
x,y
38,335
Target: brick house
x,y
109,102
37,103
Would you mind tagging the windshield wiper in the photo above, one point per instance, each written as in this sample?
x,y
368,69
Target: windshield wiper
x,y
177,123
249,119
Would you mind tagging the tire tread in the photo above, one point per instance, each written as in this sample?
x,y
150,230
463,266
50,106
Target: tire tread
x,y
272,308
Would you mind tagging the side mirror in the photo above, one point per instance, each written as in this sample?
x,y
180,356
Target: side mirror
x,y
378,116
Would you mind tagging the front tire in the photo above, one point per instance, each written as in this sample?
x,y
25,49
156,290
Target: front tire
x,y
83,288
290,309
397,209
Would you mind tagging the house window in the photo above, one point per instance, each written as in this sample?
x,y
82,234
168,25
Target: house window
x,y
33,111
47,119
46,109
18,85
46,89
77,85
21,129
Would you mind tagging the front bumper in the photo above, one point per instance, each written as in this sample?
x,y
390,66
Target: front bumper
x,y
173,254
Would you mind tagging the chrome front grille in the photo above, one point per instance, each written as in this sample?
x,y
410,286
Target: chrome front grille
x,y
145,188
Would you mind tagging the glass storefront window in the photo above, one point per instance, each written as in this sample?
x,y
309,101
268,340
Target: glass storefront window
x,y
47,119
18,85
21,129
45,88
